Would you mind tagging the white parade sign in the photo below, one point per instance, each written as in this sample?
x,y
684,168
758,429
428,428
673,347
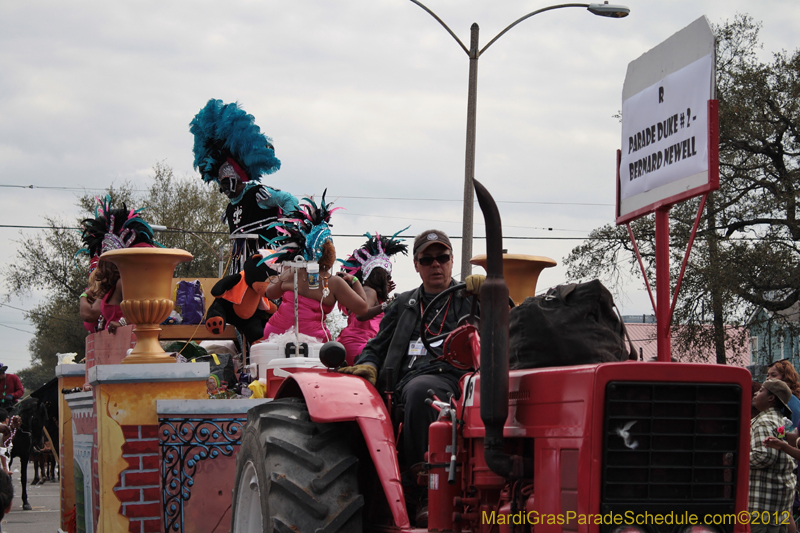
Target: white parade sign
x,y
667,154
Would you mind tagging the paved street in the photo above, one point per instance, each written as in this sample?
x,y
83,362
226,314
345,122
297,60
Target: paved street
x,y
45,502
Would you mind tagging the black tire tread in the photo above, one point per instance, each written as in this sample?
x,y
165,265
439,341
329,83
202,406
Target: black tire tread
x,y
324,437
280,527
321,483
313,462
310,475
312,506
344,515
301,425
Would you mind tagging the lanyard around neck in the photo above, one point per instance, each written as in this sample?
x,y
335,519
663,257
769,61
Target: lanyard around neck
x,y
441,326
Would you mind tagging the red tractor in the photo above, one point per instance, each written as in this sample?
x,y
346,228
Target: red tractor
x,y
612,447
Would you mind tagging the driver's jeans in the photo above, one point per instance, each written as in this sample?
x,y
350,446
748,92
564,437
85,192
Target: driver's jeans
x,y
418,416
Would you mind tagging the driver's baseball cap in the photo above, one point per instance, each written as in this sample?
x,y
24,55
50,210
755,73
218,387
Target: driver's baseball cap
x,y
429,237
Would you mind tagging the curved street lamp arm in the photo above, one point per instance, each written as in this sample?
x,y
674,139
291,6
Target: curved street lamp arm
x,y
529,15
420,4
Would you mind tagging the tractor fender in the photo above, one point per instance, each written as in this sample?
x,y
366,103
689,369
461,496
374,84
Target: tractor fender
x,y
333,397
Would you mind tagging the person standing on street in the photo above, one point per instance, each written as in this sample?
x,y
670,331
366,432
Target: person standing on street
x,y
6,494
772,479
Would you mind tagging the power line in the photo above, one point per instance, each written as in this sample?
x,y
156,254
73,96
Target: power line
x,y
457,237
392,198
36,313
349,213
13,226
22,330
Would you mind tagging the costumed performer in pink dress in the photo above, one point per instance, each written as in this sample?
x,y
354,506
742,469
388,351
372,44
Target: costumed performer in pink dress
x,y
112,229
306,233
372,264
90,305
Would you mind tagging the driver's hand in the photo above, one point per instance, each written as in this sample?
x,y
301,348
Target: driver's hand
x,y
368,372
474,283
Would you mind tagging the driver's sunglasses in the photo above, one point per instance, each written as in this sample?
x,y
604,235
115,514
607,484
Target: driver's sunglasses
x,y
427,260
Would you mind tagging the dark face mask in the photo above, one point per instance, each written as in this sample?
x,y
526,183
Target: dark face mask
x,y
227,186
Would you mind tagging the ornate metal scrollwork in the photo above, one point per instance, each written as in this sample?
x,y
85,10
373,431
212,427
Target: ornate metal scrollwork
x,y
184,443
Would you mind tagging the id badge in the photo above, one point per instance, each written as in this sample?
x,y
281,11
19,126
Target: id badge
x,y
416,349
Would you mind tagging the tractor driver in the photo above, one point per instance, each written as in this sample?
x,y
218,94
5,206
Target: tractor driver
x,y
396,359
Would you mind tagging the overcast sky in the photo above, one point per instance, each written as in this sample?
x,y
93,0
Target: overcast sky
x,y
364,97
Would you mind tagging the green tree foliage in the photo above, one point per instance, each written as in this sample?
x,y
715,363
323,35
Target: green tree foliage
x,y
46,261
192,211
746,252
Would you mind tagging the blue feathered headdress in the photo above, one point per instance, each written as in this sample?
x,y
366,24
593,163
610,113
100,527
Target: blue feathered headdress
x,y
303,232
224,131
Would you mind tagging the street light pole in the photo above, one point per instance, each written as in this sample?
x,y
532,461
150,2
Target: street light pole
x,y
469,164
474,53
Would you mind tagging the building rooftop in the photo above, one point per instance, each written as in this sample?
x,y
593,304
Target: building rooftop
x,y
643,337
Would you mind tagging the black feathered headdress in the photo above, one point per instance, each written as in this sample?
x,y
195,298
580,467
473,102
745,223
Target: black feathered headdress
x,y
376,252
111,229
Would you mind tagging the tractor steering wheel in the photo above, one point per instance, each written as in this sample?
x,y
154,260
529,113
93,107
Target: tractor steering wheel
x,y
423,331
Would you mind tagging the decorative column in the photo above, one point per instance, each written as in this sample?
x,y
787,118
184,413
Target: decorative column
x,y
127,443
69,377
83,460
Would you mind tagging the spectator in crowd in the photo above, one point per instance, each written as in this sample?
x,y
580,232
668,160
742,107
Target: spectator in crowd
x,y
772,477
6,494
784,371
6,434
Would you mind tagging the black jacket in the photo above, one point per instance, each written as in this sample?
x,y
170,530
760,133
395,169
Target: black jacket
x,y
388,350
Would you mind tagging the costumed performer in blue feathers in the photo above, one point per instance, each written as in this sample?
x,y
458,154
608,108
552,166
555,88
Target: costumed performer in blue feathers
x,y
111,229
230,149
306,233
373,266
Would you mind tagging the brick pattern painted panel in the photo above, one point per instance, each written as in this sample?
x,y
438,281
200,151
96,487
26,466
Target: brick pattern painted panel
x,y
139,488
103,348
85,423
89,353
95,478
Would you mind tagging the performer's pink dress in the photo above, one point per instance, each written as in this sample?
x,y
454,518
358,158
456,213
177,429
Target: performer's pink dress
x,y
110,312
356,335
311,317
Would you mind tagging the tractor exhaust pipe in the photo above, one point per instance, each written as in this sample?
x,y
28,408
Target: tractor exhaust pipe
x,y
494,344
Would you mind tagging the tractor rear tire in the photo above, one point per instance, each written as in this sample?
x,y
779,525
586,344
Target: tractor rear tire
x,y
294,475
